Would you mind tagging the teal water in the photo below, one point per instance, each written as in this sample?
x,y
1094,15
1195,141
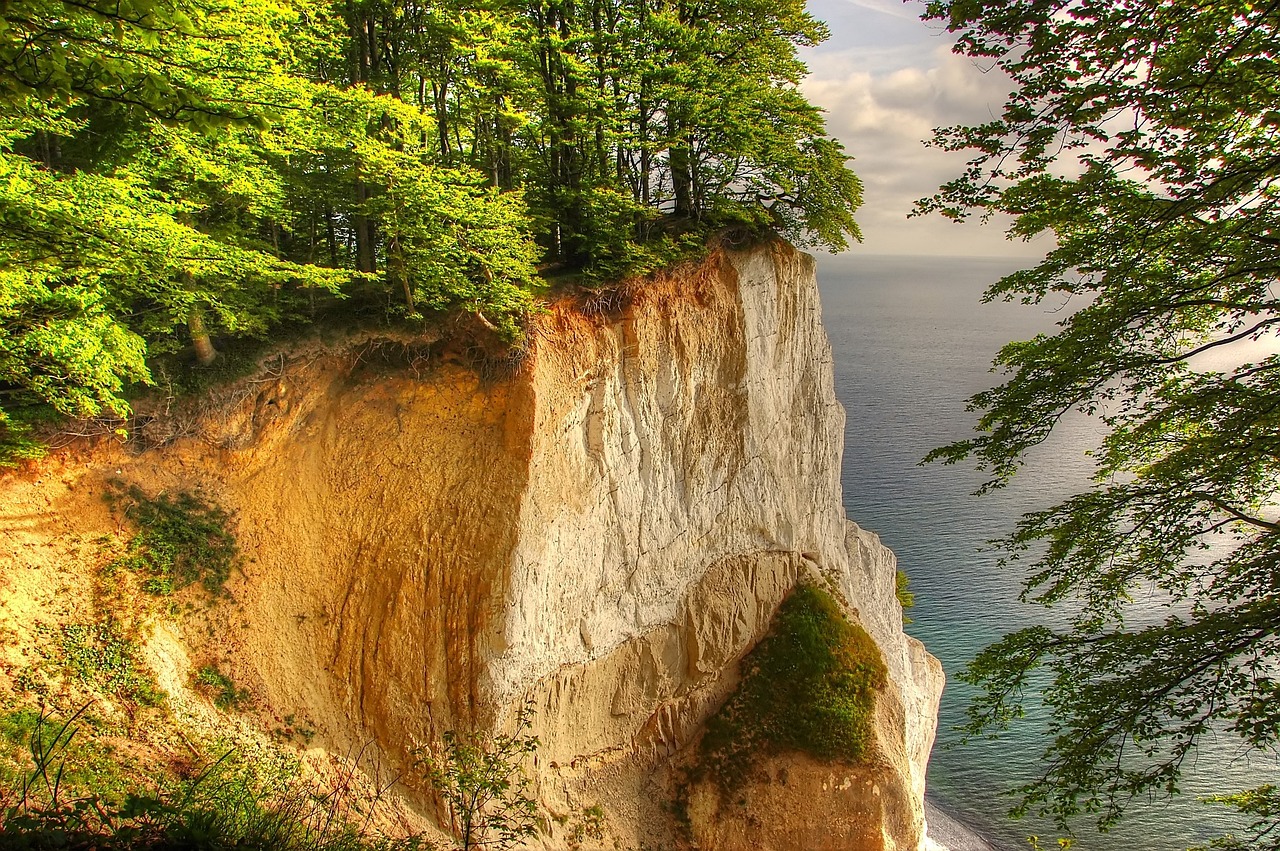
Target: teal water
x,y
911,342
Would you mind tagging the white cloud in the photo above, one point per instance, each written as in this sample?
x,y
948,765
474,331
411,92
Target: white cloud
x,y
884,114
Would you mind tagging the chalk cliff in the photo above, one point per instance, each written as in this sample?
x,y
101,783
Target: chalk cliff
x,y
602,527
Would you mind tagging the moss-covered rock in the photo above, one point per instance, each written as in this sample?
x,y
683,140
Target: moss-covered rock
x,y
809,686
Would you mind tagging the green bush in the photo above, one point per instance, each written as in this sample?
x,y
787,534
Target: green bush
x,y
810,685
480,778
181,540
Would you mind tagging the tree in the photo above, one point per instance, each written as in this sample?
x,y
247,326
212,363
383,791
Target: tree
x,y
164,169
178,173
484,788
132,193
58,52
685,110
1144,135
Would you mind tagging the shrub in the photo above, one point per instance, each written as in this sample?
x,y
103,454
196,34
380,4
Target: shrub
x,y
486,791
809,685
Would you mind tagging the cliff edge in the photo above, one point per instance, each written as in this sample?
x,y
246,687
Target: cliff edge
x,y
602,530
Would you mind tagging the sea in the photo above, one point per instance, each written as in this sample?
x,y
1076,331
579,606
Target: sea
x,y
912,341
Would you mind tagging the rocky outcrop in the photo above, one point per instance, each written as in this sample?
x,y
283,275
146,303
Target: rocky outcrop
x,y
604,531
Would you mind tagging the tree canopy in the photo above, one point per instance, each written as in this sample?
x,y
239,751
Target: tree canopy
x,y
1144,136
178,172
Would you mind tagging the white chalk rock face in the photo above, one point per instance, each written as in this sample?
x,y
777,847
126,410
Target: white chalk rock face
x,y
685,471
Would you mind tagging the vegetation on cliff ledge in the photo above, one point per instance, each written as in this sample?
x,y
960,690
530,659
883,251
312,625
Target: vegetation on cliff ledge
x,y
182,539
178,175
810,686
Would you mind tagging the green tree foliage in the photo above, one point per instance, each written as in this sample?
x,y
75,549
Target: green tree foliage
x,y
101,250
1143,136
173,172
155,162
482,783
618,115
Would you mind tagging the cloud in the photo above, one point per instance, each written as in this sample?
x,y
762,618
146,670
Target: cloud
x,y
892,8
884,114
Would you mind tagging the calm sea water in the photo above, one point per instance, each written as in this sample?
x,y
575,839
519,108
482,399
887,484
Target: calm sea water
x,y
911,343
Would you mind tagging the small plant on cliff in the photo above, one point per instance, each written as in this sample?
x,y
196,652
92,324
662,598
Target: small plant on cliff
x,y
906,598
485,790
809,685
220,688
589,825
181,540
102,657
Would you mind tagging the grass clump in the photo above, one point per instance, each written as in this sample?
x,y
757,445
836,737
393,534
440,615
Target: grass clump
x,y
86,762
810,685
181,540
220,688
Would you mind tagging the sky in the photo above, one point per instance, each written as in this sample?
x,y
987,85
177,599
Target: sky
x,y
886,79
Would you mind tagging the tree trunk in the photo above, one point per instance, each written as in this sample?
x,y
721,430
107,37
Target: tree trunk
x,y
364,230
440,98
205,352
360,56
398,273
331,235
681,178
